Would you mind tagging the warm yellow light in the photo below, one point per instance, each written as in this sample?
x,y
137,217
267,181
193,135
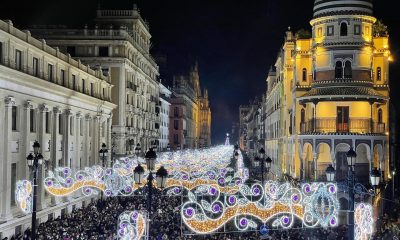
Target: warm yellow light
x,y
298,48
390,59
385,46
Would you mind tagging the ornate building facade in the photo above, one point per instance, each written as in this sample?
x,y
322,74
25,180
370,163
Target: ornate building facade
x,y
165,106
119,44
48,97
190,114
330,93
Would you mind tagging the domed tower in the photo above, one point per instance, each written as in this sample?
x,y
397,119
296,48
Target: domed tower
x,y
346,102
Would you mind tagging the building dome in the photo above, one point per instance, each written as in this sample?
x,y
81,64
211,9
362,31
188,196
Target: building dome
x,y
342,7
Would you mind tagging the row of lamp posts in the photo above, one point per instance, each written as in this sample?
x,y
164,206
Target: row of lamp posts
x,y
35,161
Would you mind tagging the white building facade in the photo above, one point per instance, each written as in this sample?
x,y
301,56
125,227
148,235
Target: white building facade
x,y
48,97
165,100
119,44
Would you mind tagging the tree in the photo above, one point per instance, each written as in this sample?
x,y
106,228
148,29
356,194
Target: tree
x,y
380,29
303,34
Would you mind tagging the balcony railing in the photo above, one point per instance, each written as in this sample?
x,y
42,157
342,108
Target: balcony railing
x,y
332,125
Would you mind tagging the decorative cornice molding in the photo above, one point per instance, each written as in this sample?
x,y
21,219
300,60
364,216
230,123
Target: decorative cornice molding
x,y
28,104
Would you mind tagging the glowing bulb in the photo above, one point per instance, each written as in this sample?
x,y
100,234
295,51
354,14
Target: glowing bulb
x,y
390,59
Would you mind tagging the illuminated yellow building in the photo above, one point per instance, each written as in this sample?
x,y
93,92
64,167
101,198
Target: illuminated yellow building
x,y
330,92
190,115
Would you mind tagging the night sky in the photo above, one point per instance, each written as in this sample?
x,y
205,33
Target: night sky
x,y
235,42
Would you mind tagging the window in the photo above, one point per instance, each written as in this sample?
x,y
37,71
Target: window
x,y
339,70
73,82
343,29
47,123
330,30
71,50
176,124
60,125
357,29
35,67
304,75
303,116
92,89
18,59
319,32
367,30
103,51
176,112
13,181
62,77
32,126
14,118
348,73
380,116
104,93
83,86
50,72
378,74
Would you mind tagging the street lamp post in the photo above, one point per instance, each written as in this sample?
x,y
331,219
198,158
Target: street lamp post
x,y
34,161
375,176
103,154
138,149
351,160
161,178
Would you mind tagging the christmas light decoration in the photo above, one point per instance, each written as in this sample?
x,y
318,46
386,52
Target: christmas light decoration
x,y
24,196
364,221
131,225
208,208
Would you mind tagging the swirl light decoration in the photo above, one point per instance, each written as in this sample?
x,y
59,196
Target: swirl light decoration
x,y
208,208
188,169
364,221
24,196
131,225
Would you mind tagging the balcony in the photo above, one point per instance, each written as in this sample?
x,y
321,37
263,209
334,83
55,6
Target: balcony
x,y
332,125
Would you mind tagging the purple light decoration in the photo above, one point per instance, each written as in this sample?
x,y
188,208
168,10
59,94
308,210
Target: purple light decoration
x,y
307,188
332,189
80,177
177,190
189,212
295,198
69,180
48,183
128,189
66,171
88,190
256,191
243,222
232,200
221,181
185,177
333,222
108,171
285,220
216,208
238,182
213,191
134,215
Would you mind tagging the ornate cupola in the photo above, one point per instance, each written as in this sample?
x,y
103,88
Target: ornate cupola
x,y
343,49
342,7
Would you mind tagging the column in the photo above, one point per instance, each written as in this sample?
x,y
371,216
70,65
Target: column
x,y
54,155
23,170
5,163
78,143
41,200
96,139
87,142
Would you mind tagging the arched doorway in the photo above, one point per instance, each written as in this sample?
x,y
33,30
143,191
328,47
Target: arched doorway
x,y
323,161
341,161
362,166
308,161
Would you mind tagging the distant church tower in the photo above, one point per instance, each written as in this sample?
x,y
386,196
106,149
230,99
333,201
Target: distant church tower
x,y
227,140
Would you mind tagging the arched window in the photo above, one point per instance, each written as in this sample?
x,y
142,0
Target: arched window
x,y
339,69
378,74
303,116
348,73
304,74
343,29
380,117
